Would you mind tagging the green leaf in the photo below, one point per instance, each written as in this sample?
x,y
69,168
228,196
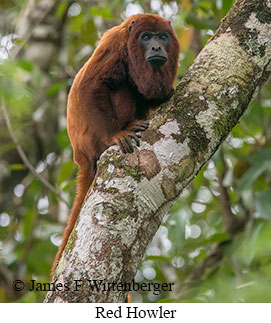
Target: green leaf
x,y
6,147
16,167
247,251
55,88
65,171
25,65
200,22
63,139
261,162
157,258
40,257
198,181
101,12
252,118
251,175
89,32
76,23
60,11
226,5
69,185
29,218
217,237
263,204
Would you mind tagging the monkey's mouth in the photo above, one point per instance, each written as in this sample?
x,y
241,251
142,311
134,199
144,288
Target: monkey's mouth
x,y
156,61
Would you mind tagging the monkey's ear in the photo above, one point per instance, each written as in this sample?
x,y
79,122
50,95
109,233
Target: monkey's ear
x,y
131,24
169,22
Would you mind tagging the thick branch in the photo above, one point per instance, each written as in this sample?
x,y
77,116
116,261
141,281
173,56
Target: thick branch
x,y
132,193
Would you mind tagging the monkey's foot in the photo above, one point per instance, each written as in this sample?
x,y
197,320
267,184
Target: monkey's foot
x,y
138,125
124,140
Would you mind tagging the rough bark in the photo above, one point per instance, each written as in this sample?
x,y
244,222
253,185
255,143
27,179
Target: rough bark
x,y
132,193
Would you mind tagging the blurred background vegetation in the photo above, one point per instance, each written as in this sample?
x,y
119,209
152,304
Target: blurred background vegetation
x,y
215,242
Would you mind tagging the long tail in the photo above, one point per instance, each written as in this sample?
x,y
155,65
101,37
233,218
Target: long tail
x,y
86,175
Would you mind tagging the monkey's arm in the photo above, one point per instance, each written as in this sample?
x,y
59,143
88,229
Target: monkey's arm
x,y
98,118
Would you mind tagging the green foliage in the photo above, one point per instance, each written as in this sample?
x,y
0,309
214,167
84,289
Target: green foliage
x,y
260,163
65,172
30,229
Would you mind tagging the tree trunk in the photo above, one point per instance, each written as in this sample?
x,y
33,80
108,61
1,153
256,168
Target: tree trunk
x,y
132,193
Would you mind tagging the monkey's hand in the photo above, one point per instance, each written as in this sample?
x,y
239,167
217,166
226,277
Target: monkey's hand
x,y
138,125
124,140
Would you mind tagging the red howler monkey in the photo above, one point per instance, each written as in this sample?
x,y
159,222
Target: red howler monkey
x,y
131,71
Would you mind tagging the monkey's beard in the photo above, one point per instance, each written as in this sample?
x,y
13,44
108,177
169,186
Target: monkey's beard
x,y
152,83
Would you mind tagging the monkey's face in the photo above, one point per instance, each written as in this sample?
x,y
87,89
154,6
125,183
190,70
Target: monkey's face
x,y
153,51
154,46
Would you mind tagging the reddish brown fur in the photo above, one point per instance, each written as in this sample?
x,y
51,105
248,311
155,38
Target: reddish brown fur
x,y
115,88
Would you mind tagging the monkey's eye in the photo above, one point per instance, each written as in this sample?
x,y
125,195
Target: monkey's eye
x,y
163,37
146,37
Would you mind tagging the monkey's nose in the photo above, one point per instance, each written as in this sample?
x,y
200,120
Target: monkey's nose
x,y
156,48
